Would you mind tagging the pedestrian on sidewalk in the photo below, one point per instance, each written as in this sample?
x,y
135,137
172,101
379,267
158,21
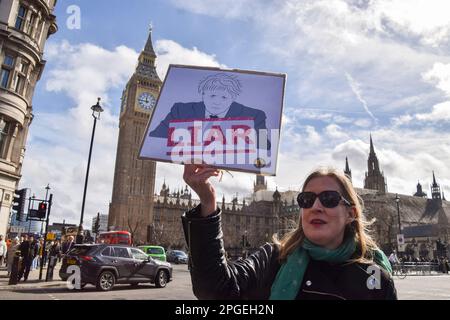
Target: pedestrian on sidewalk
x,y
36,259
67,245
58,243
28,253
54,251
11,253
3,250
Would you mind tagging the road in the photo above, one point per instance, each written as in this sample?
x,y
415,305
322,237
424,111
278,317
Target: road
x,y
179,289
435,287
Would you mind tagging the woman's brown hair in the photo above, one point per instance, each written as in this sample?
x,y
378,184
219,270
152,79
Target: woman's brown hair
x,y
357,229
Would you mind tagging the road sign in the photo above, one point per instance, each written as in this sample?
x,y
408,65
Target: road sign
x,y
17,229
51,236
400,239
71,231
35,214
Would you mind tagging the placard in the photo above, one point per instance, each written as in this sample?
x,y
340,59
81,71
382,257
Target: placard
x,y
229,119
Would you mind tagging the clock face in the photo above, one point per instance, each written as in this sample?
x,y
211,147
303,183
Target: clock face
x,y
146,100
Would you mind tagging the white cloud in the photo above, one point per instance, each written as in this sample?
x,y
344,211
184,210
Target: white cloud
x,y
169,51
319,114
363,123
335,132
59,142
236,9
96,66
404,119
427,19
384,44
312,136
440,112
440,76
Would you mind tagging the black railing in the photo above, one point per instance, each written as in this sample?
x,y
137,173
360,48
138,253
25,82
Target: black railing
x,y
417,268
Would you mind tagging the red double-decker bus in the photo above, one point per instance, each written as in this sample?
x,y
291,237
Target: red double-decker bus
x,y
114,237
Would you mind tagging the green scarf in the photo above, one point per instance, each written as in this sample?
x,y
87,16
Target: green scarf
x,y
290,276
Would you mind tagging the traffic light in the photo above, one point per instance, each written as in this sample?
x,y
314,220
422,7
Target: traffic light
x,y
19,203
42,210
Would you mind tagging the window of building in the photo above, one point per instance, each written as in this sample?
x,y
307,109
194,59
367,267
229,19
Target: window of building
x,y
31,25
38,30
20,21
21,76
7,66
23,67
9,61
19,84
5,128
5,77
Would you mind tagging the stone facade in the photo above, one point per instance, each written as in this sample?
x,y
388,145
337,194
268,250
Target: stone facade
x,y
24,28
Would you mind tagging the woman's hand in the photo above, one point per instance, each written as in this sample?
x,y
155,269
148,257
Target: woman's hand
x,y
196,176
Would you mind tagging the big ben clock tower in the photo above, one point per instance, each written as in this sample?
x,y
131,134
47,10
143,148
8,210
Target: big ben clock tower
x,y
131,206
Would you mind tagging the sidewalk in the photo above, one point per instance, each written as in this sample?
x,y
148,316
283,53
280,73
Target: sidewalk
x,y
33,279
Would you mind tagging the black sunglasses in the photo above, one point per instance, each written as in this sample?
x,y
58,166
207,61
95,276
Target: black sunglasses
x,y
329,199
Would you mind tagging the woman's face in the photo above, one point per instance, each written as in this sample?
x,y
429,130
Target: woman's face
x,y
325,226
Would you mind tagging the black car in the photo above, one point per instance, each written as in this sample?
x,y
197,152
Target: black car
x,y
105,265
177,256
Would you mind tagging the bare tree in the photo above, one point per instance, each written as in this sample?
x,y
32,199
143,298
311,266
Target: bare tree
x,y
96,227
132,227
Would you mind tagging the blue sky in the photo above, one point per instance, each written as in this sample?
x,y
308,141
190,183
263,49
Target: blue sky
x,y
354,67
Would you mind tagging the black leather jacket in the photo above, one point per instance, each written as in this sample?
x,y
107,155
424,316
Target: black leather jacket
x,y
213,277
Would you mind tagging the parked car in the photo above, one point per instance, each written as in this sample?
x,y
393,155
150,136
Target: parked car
x,y
177,256
156,252
105,265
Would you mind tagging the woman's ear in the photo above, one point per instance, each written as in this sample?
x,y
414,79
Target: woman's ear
x,y
351,214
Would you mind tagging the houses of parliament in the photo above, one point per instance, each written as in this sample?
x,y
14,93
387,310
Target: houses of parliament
x,y
247,223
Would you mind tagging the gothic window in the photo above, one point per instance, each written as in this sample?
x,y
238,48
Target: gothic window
x,y
7,68
5,128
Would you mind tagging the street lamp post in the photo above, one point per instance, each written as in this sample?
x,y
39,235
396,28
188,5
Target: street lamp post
x,y
397,200
244,244
96,110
